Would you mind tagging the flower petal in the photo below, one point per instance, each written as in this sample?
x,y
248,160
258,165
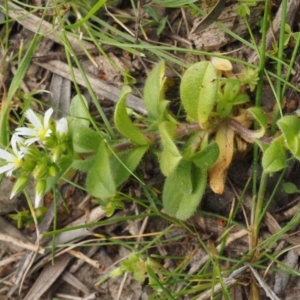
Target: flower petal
x,y
7,169
14,141
33,118
5,155
62,126
31,141
26,131
48,114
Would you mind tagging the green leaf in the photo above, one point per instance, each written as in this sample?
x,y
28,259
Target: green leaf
x,y
198,90
183,177
290,188
170,156
64,164
192,144
83,164
123,122
79,110
180,204
224,109
290,127
100,182
154,90
205,158
231,89
274,159
261,117
126,162
85,139
173,3
240,99
15,84
243,10
151,12
161,25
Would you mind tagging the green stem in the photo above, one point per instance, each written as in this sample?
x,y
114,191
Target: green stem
x,y
262,56
259,208
279,66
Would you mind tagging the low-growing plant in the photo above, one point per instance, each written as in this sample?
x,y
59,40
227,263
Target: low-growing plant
x,y
190,153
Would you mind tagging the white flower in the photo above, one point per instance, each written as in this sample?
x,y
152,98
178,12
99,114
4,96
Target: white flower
x,y
40,130
62,127
13,160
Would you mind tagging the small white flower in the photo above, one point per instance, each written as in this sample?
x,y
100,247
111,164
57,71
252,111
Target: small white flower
x,y
62,127
13,160
40,130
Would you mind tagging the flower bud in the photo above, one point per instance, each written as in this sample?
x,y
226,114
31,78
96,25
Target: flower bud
x,y
53,170
19,185
40,189
40,170
56,153
62,127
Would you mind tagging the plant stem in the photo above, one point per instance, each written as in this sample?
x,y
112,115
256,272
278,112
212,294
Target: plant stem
x,y
279,66
259,208
262,56
181,130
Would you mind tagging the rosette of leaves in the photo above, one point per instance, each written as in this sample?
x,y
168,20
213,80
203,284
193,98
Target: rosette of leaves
x,y
214,101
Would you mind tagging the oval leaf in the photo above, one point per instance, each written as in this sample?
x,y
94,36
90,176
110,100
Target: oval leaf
x,y
290,188
170,156
274,159
100,182
198,90
205,158
290,127
85,139
126,162
79,110
180,204
123,122
153,90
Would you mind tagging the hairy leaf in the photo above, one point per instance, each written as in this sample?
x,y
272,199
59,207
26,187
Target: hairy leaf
x,y
205,158
125,163
100,182
178,203
170,156
229,89
123,122
198,90
83,164
290,127
79,110
154,90
86,139
274,159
